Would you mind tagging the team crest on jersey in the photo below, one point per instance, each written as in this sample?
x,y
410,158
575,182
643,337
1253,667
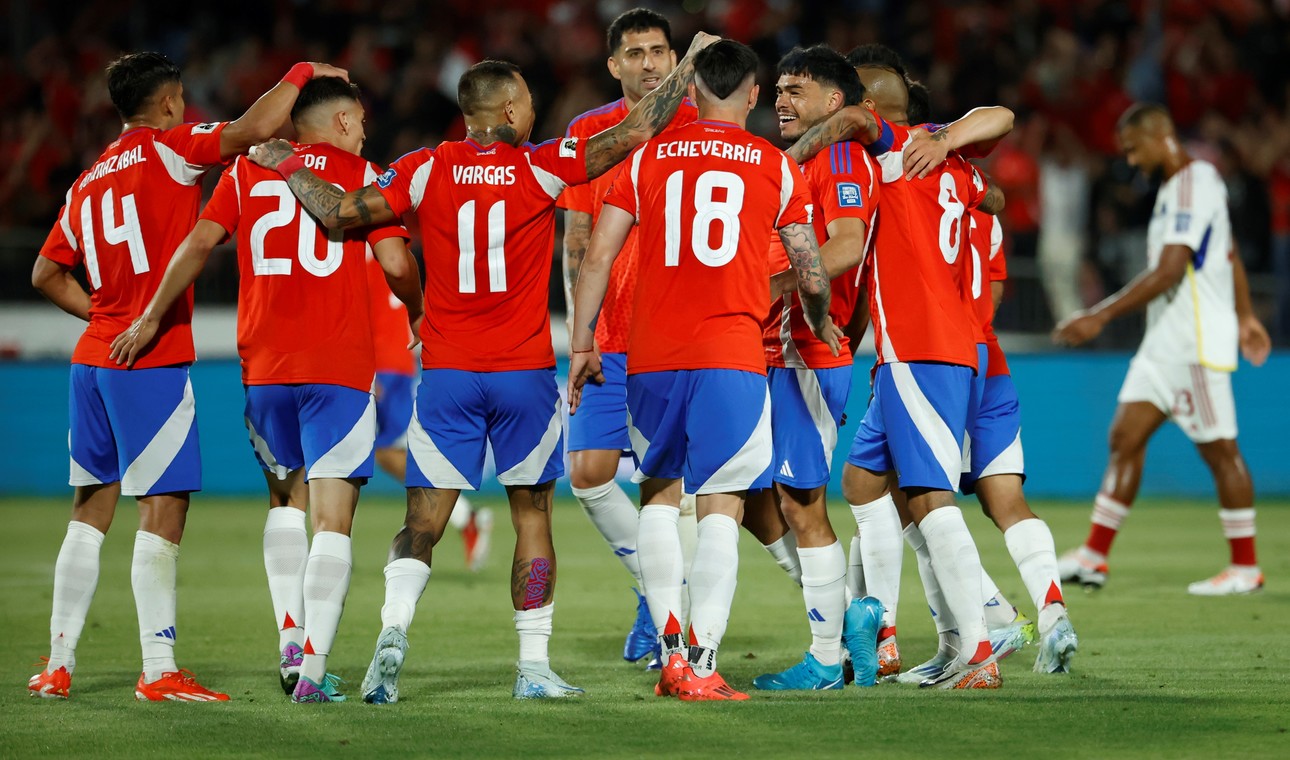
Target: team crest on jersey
x,y
386,177
569,147
810,213
205,129
1182,223
849,195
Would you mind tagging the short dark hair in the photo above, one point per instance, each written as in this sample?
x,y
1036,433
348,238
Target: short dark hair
x,y
826,66
481,81
1138,113
919,110
135,77
879,56
321,90
724,65
636,20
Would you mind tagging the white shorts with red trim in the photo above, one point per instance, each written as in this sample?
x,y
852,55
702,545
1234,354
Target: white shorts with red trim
x,y
1198,399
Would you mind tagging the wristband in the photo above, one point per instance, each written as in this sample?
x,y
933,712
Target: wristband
x,y
582,351
299,74
290,165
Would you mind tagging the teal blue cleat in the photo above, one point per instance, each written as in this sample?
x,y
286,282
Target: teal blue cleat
x,y
308,691
807,675
642,639
860,636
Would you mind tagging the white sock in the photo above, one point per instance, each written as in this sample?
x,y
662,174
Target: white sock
x,y
534,629
881,551
942,616
958,570
784,551
855,571
152,576
713,579
286,548
76,576
326,584
824,572
405,580
688,528
999,612
615,516
1030,543
659,548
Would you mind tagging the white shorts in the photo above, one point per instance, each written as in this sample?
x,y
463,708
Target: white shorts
x,y
1198,399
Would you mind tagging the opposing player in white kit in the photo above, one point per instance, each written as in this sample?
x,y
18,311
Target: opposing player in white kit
x,y
1198,311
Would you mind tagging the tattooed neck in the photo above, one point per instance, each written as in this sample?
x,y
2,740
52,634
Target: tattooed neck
x,y
496,133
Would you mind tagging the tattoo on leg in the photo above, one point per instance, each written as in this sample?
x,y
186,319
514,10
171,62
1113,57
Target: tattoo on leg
x,y
533,582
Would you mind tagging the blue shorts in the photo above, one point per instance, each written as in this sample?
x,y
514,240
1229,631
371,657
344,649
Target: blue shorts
x,y
915,424
994,435
458,412
710,427
806,408
394,393
136,426
329,430
601,421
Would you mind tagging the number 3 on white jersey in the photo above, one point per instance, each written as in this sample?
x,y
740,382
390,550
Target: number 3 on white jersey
x,y
128,232
305,240
707,210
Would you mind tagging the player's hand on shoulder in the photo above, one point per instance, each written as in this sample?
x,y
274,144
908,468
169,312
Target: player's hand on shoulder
x,y
327,70
1256,345
127,346
270,153
924,152
1079,328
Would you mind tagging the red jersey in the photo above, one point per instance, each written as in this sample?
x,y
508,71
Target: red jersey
x,y
302,312
843,183
917,302
616,313
987,247
487,217
390,331
123,219
706,197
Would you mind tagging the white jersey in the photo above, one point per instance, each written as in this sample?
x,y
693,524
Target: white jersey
x,y
1195,322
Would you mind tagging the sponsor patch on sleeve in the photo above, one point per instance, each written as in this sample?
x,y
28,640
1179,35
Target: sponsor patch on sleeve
x,y
386,177
204,129
569,147
1182,222
849,195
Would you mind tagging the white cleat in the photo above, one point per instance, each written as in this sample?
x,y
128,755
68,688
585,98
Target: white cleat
x,y
1236,579
381,684
1075,566
1057,648
932,669
538,681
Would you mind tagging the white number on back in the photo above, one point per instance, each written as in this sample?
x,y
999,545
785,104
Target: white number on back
x,y
707,211
307,229
127,232
496,247
951,219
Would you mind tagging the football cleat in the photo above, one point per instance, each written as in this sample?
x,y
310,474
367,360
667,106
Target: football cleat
x,y
712,689
327,691
289,666
860,637
807,675
1057,648
478,537
538,681
958,676
1234,580
673,676
932,669
50,684
888,657
1075,566
178,686
642,639
1012,637
381,684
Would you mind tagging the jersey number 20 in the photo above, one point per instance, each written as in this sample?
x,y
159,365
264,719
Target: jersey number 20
x,y
306,236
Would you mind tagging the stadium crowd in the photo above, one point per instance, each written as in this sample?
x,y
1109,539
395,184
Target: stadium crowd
x,y
1066,69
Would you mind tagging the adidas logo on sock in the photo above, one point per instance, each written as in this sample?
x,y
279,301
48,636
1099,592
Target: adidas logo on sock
x,y
168,633
623,551
815,616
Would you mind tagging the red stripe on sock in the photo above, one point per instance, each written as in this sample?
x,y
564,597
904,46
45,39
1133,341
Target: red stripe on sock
x,y
1100,538
1242,551
886,632
1054,595
983,652
694,642
673,626
287,622
309,647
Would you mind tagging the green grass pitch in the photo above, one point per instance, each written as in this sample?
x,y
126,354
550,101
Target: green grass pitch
x,y
1159,674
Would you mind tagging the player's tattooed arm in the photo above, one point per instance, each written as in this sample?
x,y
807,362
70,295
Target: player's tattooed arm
x,y
993,201
577,235
334,208
844,124
812,282
654,111
267,115
56,282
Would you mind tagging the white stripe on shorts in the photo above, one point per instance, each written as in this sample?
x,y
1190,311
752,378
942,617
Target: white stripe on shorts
x,y
940,439
528,470
809,383
352,450
79,475
432,463
750,461
144,472
261,448
1010,461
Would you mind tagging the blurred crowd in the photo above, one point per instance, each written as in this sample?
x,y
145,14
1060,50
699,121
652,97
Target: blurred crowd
x,y
1068,69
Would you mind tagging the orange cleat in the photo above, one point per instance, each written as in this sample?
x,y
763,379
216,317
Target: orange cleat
x,y
888,657
673,676
180,686
50,684
711,689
